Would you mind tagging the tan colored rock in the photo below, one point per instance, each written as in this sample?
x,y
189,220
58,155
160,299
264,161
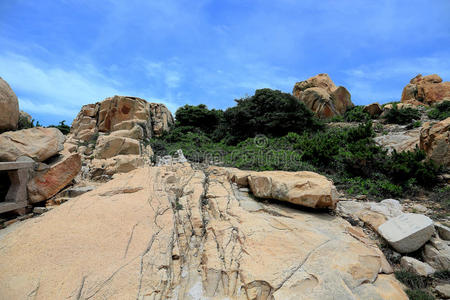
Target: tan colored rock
x,y
109,146
426,90
125,116
9,107
116,164
435,141
304,188
320,94
142,236
374,109
37,143
46,184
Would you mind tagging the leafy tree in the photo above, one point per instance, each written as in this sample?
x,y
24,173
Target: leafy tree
x,y
269,112
198,116
65,129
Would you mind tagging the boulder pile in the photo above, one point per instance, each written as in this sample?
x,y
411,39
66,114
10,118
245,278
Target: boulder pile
x,y
320,94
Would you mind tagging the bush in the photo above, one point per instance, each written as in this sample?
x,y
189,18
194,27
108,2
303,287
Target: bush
x,y
356,114
24,123
411,280
401,116
443,274
269,112
419,295
441,111
65,129
200,117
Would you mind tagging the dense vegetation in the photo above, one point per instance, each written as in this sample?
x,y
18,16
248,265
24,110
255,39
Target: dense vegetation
x,y
24,123
440,111
401,116
273,131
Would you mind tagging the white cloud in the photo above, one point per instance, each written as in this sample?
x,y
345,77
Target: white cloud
x,y
47,108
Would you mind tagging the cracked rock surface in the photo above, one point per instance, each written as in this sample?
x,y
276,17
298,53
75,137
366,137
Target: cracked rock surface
x,y
177,232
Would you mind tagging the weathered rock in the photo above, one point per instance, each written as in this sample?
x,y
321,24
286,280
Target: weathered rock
x,y
320,94
9,107
130,117
304,188
77,191
37,143
374,109
116,164
437,254
435,141
443,231
25,116
110,146
406,140
426,90
443,290
46,184
407,232
416,266
163,240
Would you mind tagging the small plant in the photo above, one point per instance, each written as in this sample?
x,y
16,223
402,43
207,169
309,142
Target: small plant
x,y
356,114
401,116
178,205
419,295
65,129
24,123
415,124
444,274
441,111
411,280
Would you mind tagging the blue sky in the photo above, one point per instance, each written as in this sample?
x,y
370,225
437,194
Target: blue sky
x,y
60,54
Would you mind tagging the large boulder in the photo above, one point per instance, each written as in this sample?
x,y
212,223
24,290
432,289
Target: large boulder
x,y
321,95
9,107
37,143
435,141
426,90
46,184
374,109
129,115
109,146
303,188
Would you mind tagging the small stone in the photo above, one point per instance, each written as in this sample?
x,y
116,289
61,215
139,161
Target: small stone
x,y
419,208
443,290
416,266
39,210
24,217
444,231
407,232
76,191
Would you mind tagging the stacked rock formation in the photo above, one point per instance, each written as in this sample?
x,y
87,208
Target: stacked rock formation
x,y
321,95
426,90
112,135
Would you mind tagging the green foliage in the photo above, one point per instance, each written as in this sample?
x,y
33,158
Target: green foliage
x,y
65,129
375,187
268,112
443,274
190,116
401,116
419,295
414,124
356,114
411,280
442,195
24,123
441,111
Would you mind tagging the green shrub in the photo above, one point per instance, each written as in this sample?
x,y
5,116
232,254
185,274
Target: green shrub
x,y
199,117
401,116
24,123
419,295
65,129
411,280
356,114
268,112
441,111
443,274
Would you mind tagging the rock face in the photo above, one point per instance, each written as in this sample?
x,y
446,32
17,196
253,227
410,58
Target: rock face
x,y
109,146
303,188
400,141
426,90
407,232
178,233
46,184
37,143
416,266
437,254
9,107
374,109
120,113
321,95
435,141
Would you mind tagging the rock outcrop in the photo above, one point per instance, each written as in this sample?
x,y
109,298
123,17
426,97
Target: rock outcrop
x,y
320,94
131,115
303,188
37,143
9,107
178,233
435,141
426,90
374,109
